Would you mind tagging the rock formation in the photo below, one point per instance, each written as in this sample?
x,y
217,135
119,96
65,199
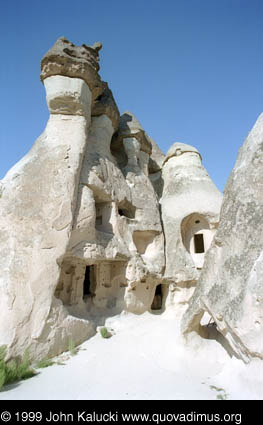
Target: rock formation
x,y
230,286
190,206
82,235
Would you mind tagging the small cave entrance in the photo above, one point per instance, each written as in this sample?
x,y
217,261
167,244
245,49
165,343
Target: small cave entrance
x,y
89,282
77,282
157,303
123,213
86,283
126,209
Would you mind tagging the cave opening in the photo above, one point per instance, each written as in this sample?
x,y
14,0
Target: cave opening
x,y
158,298
87,282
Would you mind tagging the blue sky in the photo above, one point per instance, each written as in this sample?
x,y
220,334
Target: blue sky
x,y
190,70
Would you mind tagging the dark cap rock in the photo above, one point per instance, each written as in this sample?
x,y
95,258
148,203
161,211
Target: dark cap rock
x,y
66,59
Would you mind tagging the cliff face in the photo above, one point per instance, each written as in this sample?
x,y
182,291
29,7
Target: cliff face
x,y
230,285
38,202
82,237
80,224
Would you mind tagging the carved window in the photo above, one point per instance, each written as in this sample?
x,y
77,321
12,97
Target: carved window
x,y
199,243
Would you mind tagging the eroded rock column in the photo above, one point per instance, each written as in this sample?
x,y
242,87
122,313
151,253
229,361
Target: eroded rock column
x,y
37,208
190,207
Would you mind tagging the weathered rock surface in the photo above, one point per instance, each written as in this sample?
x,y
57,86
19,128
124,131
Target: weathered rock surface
x,y
81,235
190,207
117,225
105,105
157,157
64,58
37,210
155,167
230,286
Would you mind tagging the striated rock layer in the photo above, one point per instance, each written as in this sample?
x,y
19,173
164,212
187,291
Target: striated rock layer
x,y
230,286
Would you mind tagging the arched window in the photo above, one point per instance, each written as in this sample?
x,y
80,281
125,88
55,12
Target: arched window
x,y
196,237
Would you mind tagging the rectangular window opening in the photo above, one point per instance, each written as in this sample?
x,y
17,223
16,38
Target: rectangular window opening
x,y
199,243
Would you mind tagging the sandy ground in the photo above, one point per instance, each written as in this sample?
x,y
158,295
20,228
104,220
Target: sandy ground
x,y
146,360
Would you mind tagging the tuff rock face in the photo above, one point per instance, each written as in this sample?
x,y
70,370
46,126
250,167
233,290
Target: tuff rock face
x,y
190,206
38,202
81,235
230,286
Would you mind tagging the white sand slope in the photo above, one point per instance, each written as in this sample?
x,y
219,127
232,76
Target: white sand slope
x,y
145,359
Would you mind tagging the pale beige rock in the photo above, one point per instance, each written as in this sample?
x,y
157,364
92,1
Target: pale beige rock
x,y
105,105
130,127
155,167
67,96
37,209
128,234
190,207
230,286
81,235
157,157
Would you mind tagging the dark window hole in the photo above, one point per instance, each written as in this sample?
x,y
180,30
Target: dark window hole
x,y
199,243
